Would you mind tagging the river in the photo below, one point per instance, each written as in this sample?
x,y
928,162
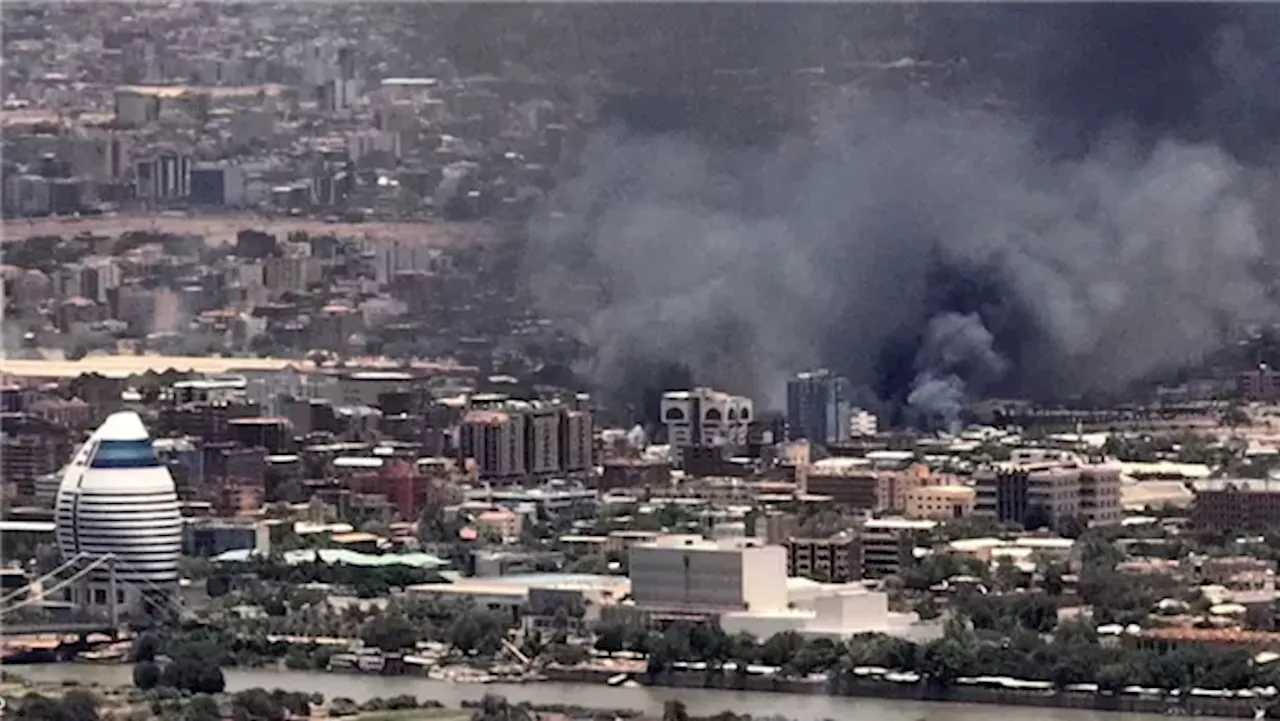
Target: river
x,y
650,700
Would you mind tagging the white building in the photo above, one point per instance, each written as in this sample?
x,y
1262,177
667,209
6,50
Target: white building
x,y
863,423
706,417
821,609
117,498
744,585
687,573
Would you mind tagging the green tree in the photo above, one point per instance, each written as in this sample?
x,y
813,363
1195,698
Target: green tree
x,y
1112,677
568,655
146,674
497,708
389,632
255,704
202,707
1053,583
780,648
343,706
611,638
674,711
1007,576
79,705
952,656
928,609
146,647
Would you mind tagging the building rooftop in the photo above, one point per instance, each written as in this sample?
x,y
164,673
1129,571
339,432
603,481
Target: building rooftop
x,y
351,558
899,524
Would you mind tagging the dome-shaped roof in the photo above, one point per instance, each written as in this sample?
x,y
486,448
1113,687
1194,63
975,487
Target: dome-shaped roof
x,y
122,426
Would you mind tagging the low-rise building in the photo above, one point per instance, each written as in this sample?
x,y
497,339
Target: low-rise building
x,y
940,503
827,560
889,543
1234,504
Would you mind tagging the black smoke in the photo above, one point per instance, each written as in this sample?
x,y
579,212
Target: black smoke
x,y
1071,190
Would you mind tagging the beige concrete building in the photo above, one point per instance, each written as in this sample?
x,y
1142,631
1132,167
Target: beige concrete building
x,y
1100,500
1046,488
940,503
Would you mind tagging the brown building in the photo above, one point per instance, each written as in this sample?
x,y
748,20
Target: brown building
x,y
634,473
1236,504
26,457
1260,384
827,560
849,483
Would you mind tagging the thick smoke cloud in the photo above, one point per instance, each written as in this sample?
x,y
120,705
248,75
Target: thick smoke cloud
x,y
955,347
931,253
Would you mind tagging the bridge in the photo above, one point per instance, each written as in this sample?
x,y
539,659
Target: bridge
x,y
40,593
61,628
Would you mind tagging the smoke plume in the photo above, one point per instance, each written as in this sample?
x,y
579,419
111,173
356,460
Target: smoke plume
x,y
928,250
956,347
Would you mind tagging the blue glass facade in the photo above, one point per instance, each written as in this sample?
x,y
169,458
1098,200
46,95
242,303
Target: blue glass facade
x,y
125,454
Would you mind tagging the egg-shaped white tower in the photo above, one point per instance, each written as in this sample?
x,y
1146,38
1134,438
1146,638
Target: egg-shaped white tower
x,y
116,498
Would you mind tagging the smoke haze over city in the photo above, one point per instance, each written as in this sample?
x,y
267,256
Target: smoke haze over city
x,y
1098,224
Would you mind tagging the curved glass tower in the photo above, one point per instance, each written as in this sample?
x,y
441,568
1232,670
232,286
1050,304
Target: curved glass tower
x,y
117,498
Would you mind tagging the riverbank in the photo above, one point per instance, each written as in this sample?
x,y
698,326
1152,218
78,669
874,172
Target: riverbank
x,y
814,705
1130,702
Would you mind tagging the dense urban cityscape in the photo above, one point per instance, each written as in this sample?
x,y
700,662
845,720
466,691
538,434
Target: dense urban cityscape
x,y
369,341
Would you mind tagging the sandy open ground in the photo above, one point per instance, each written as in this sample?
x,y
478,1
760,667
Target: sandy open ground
x,y
223,228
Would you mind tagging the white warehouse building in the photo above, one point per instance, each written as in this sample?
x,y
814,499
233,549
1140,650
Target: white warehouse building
x,y
117,498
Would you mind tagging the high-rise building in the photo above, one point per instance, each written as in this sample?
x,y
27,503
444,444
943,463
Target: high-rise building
x,y
495,441
818,408
117,498
514,439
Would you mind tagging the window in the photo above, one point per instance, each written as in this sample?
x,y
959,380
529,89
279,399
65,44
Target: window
x,y
100,596
124,454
